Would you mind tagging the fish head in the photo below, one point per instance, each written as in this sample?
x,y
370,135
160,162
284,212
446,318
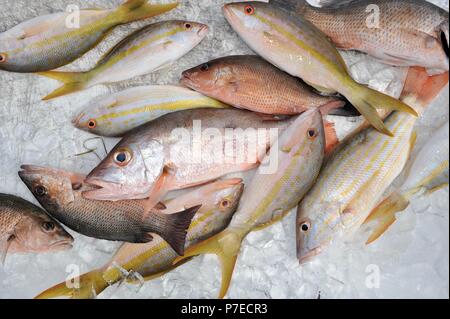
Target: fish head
x,y
40,233
54,189
249,19
129,171
317,226
212,78
92,117
224,195
187,32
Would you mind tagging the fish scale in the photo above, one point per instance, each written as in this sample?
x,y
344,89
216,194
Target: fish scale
x,y
408,33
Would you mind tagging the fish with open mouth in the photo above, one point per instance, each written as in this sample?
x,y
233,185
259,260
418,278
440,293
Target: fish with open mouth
x,y
60,192
49,42
296,46
219,200
249,82
26,228
358,173
113,115
149,49
270,196
397,32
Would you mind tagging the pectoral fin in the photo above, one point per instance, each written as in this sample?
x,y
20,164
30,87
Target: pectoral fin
x,y
159,190
383,216
5,243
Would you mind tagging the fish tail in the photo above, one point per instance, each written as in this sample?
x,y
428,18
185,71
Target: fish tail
x,y
367,101
383,216
225,245
422,88
87,286
176,227
133,10
73,82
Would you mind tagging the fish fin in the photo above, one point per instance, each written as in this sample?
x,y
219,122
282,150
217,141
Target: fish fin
x,y
175,227
160,206
5,243
421,87
384,215
367,101
331,139
412,142
133,10
159,190
87,286
225,245
73,82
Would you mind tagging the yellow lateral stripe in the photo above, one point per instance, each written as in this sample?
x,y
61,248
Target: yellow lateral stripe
x,y
292,38
118,57
169,106
274,192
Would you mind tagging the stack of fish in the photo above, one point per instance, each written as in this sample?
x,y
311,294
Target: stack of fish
x,y
295,82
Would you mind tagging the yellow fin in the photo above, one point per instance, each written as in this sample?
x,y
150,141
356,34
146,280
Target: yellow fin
x,y
133,10
384,215
73,82
367,101
225,245
89,286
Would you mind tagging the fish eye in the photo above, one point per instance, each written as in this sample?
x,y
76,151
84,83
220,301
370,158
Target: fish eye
x,y
40,191
92,124
188,26
249,10
122,157
48,226
77,186
312,133
305,227
3,57
205,67
225,203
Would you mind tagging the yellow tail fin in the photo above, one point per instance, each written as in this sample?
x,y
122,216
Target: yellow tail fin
x,y
87,286
133,10
367,101
73,82
226,245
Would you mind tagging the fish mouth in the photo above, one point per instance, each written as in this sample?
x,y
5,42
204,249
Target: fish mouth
x,y
203,31
306,258
62,245
103,190
228,12
77,120
186,80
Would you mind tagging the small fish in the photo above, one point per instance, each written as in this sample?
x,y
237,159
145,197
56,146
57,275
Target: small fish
x,y
249,82
428,172
60,193
218,200
49,42
176,152
269,197
26,228
358,173
113,115
149,49
397,32
296,46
